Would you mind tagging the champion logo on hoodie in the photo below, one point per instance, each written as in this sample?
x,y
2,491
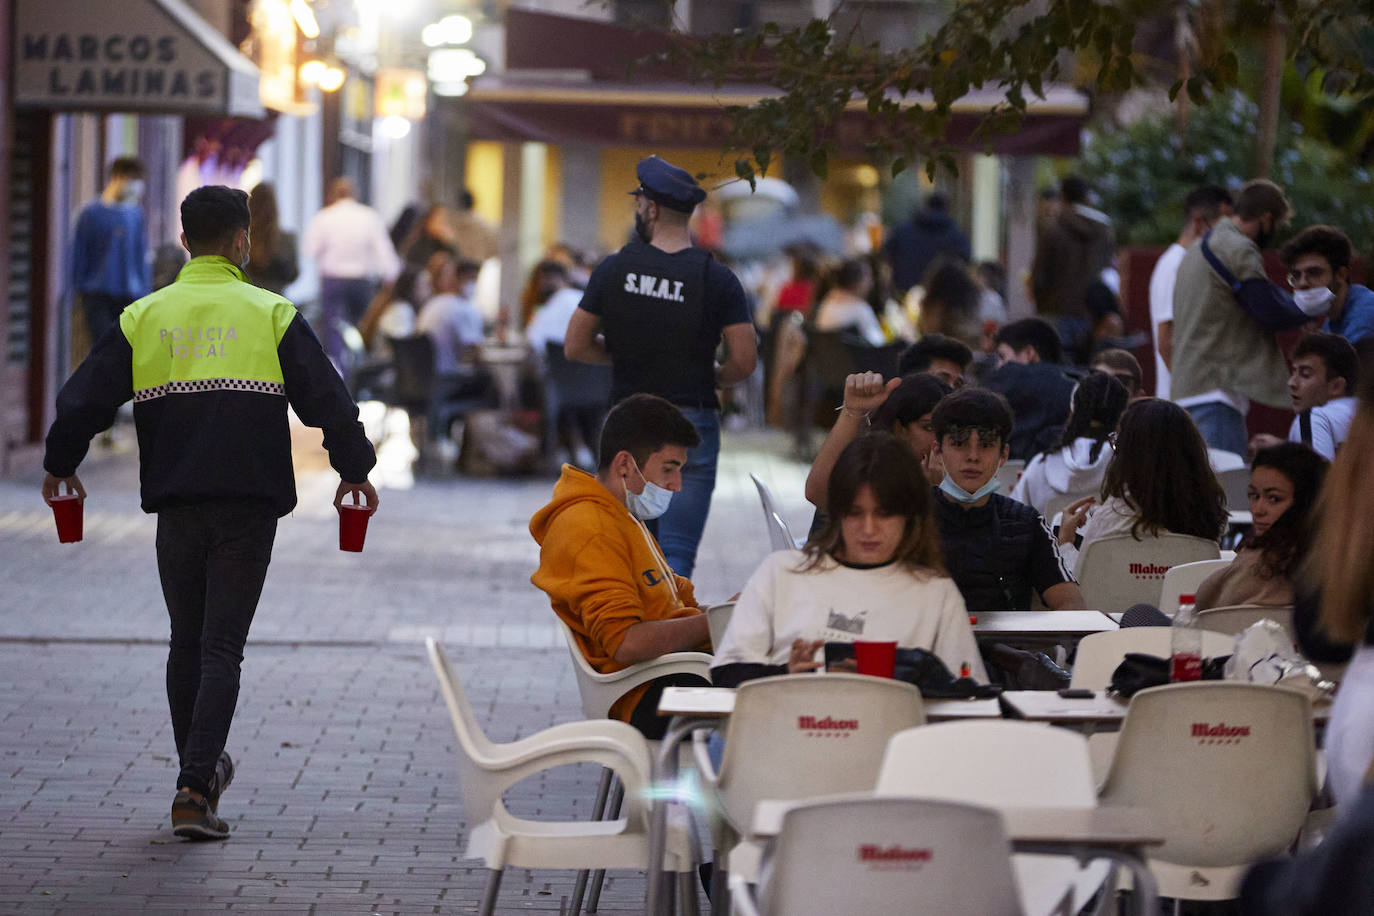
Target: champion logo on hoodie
x,y
652,577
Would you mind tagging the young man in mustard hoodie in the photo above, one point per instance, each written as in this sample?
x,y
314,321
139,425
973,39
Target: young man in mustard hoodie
x,y
601,568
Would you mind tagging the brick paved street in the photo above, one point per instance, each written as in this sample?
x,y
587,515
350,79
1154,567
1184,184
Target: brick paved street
x,y
345,799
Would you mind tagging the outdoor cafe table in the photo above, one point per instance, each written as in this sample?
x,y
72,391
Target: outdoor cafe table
x,y
1089,712
1055,626
697,707
1117,833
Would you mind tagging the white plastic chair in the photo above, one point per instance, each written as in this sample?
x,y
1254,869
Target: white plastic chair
x,y
1236,483
599,692
1184,579
848,856
1222,460
779,535
798,736
1229,772
974,762
1099,654
1009,473
1119,571
717,620
1235,618
486,770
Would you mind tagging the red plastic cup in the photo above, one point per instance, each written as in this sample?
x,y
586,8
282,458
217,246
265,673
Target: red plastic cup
x,y
353,527
66,511
878,659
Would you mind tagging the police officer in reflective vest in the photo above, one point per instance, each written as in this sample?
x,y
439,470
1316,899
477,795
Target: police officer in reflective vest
x,y
656,311
211,363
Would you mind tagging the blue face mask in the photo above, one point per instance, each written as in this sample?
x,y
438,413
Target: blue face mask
x,y
959,494
650,503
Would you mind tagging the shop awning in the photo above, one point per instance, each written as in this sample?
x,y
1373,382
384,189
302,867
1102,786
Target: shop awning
x,y
565,82
561,111
128,55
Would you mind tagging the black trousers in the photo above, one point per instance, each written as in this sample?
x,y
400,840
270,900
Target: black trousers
x,y
645,716
212,558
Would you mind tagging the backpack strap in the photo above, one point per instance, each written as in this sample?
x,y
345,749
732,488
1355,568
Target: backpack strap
x,y
1305,427
1222,271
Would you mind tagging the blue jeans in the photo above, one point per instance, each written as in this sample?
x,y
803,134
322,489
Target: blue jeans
x,y
1221,426
341,299
679,529
212,559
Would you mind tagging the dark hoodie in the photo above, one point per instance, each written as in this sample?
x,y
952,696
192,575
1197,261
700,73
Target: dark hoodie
x,y
915,244
1073,250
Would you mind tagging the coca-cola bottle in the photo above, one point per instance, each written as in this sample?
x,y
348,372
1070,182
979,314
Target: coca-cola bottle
x,y
1185,643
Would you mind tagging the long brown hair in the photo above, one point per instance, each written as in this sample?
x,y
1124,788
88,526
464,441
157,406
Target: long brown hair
x,y
1161,470
899,486
1339,562
262,206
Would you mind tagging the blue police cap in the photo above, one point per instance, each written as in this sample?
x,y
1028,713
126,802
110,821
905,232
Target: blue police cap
x,y
667,185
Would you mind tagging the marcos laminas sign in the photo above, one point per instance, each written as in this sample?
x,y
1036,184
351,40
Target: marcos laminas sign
x,y
129,55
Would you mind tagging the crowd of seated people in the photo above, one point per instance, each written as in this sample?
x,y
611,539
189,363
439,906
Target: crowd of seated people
x,y
912,534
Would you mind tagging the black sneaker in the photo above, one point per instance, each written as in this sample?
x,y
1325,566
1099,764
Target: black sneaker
x,y
224,775
193,819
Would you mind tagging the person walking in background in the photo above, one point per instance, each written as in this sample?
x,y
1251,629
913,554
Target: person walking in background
x,y
1221,358
1074,248
664,307
211,363
915,244
350,246
110,249
272,260
1201,209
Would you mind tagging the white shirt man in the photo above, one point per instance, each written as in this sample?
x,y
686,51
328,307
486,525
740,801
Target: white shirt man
x,y
349,240
550,322
1162,309
1202,208
1330,424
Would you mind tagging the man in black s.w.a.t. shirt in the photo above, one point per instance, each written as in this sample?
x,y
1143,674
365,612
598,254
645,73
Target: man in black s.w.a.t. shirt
x,y
656,311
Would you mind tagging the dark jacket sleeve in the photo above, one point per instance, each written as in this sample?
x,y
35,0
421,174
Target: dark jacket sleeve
x,y
1312,639
320,399
737,673
87,403
1335,877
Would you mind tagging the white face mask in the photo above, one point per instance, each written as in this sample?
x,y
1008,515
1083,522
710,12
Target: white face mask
x,y
133,191
1314,302
651,502
467,289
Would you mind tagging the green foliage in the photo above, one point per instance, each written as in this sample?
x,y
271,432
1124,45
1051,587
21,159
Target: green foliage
x,y
1014,46
1143,172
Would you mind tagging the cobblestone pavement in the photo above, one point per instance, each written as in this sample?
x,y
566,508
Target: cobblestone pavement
x,y
345,799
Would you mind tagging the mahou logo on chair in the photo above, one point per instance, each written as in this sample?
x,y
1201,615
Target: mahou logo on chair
x,y
1221,733
900,856
1148,570
829,727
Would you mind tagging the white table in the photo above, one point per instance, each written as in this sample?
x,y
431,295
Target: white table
x,y
1116,833
1052,625
719,703
703,707
1100,709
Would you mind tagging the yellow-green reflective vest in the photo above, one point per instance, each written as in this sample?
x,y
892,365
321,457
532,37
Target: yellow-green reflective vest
x,y
211,330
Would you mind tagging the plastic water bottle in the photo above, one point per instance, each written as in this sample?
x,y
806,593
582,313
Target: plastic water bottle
x,y
1185,643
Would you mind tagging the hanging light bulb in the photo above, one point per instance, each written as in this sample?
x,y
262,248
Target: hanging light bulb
x,y
305,18
331,79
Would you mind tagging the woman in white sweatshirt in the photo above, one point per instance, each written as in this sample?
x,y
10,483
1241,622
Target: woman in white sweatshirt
x,y
1080,463
874,571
